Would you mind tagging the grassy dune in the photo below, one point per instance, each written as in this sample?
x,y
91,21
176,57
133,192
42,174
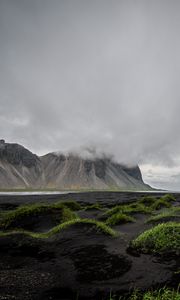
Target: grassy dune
x,y
163,238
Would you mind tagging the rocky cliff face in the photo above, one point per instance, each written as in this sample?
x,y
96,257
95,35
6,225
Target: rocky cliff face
x,y
16,154
20,168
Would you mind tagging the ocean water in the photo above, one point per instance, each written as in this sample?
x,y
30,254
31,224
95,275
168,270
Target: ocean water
x,y
18,193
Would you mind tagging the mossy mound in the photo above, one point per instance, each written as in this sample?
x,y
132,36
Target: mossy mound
x,y
95,206
152,203
160,294
163,238
128,209
151,200
161,203
33,217
119,218
147,200
146,205
172,214
73,205
98,226
168,198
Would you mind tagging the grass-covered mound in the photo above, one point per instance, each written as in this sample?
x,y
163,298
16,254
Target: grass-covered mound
x,y
95,206
31,216
160,294
149,200
128,209
119,218
163,238
169,198
145,205
98,226
73,205
171,214
153,203
160,203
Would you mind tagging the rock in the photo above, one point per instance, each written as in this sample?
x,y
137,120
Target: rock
x,y
16,154
20,168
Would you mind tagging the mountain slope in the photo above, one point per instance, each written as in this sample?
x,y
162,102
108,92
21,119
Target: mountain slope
x,y
20,168
75,172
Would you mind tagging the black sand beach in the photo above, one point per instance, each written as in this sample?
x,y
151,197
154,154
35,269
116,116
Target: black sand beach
x,y
80,262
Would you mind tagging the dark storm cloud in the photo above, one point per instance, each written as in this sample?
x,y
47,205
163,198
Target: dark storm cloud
x,y
100,74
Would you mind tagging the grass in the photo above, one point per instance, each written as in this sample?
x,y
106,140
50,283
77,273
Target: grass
x,y
162,238
169,198
99,226
73,205
150,200
127,209
15,217
160,204
160,294
147,200
93,206
172,212
153,203
119,218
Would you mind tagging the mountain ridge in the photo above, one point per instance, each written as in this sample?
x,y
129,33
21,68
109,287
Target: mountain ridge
x,y
21,169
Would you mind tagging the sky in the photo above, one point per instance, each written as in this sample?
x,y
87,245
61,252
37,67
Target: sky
x,y
99,74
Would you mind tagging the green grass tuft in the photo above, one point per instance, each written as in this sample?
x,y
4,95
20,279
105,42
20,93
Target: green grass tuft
x,y
93,206
128,209
160,294
15,218
166,214
164,237
99,226
160,204
73,205
151,200
119,218
168,198
147,200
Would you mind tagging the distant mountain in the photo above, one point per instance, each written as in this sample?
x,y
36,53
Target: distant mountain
x,y
20,168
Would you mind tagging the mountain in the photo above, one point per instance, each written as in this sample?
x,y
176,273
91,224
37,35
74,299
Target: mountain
x,y
20,168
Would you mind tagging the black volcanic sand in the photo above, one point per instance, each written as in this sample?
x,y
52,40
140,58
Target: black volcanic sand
x,y
79,262
40,223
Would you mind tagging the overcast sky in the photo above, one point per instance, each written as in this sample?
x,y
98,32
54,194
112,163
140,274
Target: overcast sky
x,y
103,74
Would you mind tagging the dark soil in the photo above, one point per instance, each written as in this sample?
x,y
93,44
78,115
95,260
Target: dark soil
x,y
79,262
37,223
105,265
